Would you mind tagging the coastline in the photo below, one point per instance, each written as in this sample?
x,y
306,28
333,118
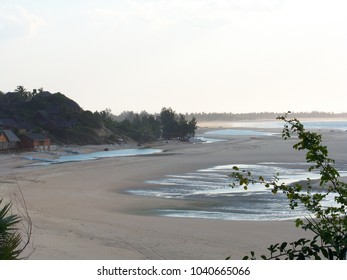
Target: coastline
x,y
79,210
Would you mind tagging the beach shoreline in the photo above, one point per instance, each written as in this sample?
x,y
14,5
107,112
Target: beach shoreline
x,y
79,210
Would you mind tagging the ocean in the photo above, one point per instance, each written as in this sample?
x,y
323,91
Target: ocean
x,y
316,125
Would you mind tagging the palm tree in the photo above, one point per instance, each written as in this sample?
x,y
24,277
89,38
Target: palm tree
x,y
10,238
20,89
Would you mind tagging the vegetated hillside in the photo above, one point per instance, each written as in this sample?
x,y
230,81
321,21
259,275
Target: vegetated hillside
x,y
59,116
66,122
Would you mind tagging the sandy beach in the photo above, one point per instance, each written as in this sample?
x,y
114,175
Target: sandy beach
x,y
79,210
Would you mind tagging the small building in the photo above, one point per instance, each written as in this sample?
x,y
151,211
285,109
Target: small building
x,y
8,140
38,141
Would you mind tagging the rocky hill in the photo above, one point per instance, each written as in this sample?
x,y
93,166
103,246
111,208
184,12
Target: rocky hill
x,y
62,120
58,116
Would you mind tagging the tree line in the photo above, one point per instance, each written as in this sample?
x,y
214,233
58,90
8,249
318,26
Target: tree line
x,y
146,127
67,122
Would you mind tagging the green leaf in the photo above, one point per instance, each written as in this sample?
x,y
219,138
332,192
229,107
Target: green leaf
x,y
298,222
283,246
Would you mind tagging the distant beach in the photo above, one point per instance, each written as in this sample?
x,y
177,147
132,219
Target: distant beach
x,y
90,209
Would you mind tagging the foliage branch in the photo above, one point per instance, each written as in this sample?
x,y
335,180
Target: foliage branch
x,y
328,225
15,227
10,238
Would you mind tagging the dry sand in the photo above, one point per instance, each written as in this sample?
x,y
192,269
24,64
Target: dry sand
x,y
79,211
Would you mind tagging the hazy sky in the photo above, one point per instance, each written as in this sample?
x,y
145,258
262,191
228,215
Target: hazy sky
x,y
191,55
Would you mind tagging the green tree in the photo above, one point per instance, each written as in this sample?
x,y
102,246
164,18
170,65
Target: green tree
x,y
328,225
186,129
106,114
141,127
169,123
192,127
21,89
23,93
176,126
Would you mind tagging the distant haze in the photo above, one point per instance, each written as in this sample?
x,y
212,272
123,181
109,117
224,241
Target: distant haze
x,y
191,55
